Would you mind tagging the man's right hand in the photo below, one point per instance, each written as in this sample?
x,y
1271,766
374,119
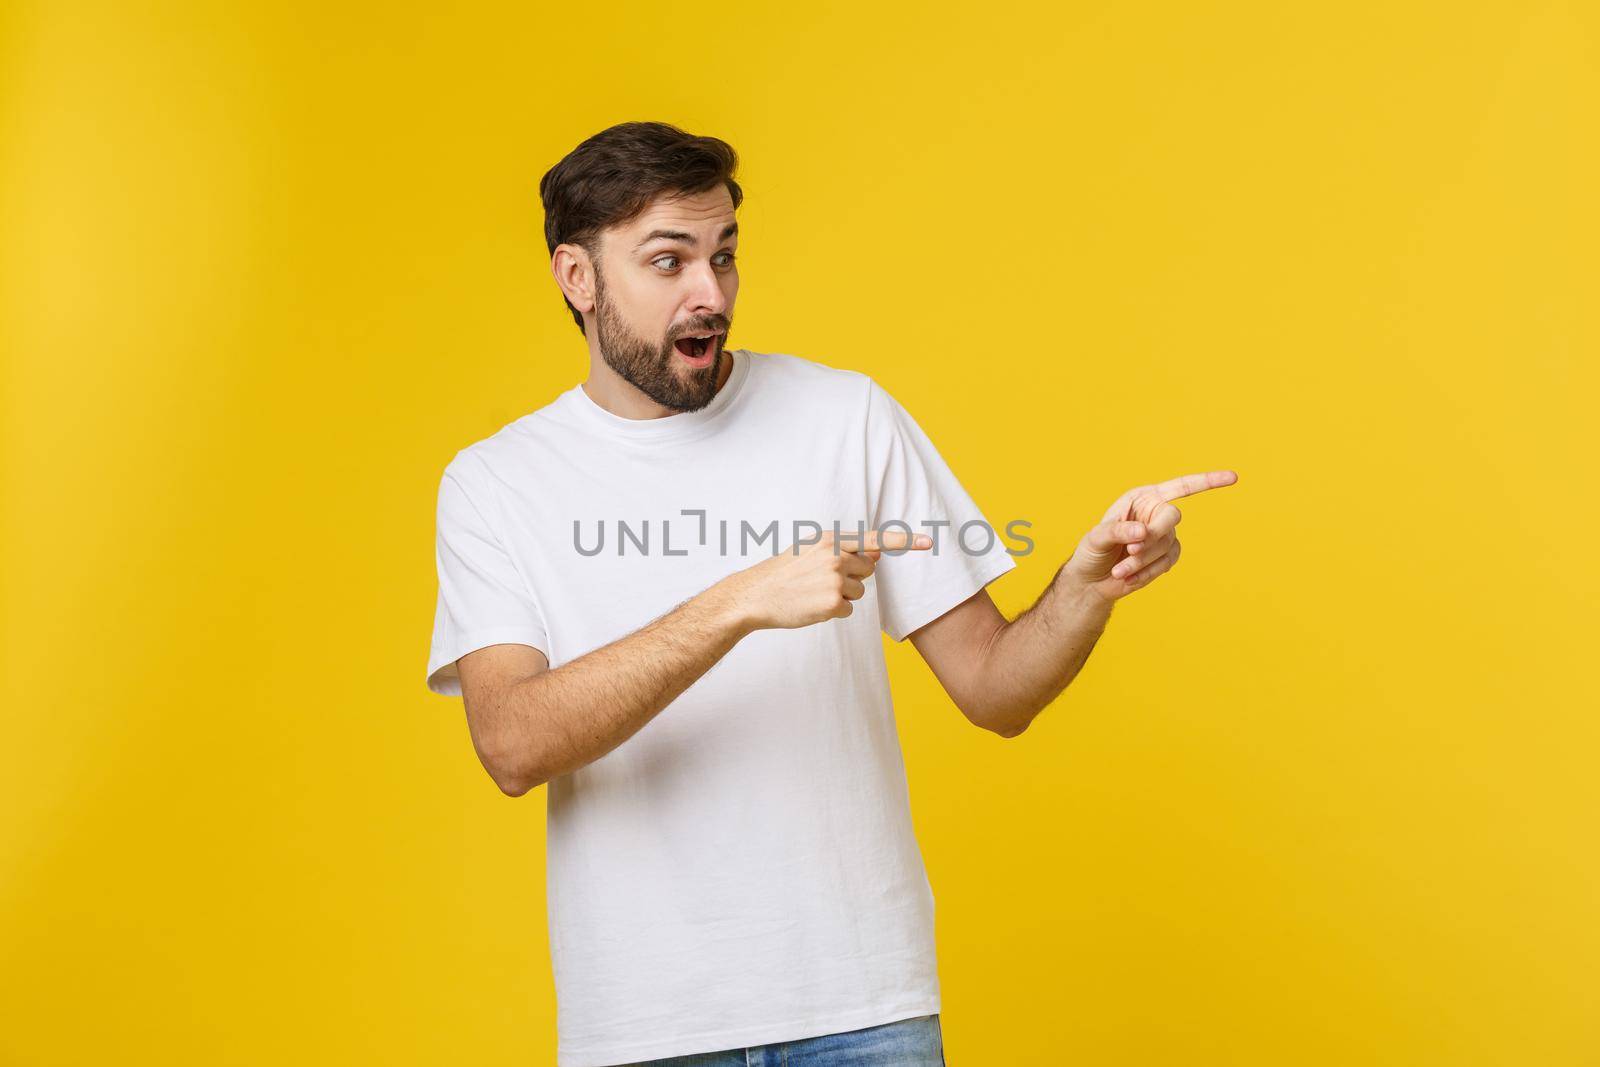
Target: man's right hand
x,y
818,581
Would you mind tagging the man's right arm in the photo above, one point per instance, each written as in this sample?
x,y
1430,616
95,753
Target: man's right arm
x,y
531,724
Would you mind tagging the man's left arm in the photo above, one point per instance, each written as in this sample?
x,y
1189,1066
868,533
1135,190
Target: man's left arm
x,y
1002,674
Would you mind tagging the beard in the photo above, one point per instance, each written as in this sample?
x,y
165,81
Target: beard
x,y
652,368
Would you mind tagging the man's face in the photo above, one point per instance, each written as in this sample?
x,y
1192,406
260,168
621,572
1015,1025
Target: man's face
x,y
665,277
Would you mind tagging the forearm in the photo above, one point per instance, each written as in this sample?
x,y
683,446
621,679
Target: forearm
x,y
1026,663
564,718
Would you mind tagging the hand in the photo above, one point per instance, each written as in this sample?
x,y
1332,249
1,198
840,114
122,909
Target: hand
x,y
1136,541
816,581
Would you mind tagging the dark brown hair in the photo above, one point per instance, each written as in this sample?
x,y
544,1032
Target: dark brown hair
x,y
613,176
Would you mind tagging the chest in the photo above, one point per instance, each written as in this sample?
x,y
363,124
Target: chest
x,y
609,540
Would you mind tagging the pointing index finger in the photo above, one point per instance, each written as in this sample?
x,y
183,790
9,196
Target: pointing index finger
x,y
878,540
1189,484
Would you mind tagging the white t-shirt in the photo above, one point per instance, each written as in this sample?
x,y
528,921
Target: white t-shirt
x,y
743,869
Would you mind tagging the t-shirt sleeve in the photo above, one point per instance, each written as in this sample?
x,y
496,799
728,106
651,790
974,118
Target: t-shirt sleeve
x,y
910,484
483,599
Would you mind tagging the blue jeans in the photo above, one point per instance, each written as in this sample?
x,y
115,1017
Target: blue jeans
x,y
915,1042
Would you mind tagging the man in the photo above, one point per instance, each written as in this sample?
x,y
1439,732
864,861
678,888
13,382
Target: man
x,y
731,861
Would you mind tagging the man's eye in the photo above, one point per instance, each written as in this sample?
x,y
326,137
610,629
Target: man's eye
x,y
659,261
729,260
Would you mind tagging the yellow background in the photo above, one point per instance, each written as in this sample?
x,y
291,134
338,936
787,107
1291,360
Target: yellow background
x,y
1326,794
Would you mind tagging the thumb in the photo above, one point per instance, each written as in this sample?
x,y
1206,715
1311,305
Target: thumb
x,y
1102,547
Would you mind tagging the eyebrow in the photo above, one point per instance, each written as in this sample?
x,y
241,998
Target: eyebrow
x,y
678,235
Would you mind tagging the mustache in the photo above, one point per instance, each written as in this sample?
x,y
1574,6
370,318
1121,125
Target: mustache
x,y
713,326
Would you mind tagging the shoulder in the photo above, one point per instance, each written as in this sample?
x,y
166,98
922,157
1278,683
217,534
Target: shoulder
x,y
792,373
510,448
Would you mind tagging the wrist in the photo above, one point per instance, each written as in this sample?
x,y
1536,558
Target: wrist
x,y
1081,599
728,611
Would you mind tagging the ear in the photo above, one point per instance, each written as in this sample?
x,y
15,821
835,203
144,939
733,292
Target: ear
x,y
574,272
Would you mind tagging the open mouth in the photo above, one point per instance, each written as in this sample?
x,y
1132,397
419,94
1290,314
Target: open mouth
x,y
697,348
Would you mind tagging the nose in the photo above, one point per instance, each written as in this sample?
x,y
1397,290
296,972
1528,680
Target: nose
x,y
707,297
